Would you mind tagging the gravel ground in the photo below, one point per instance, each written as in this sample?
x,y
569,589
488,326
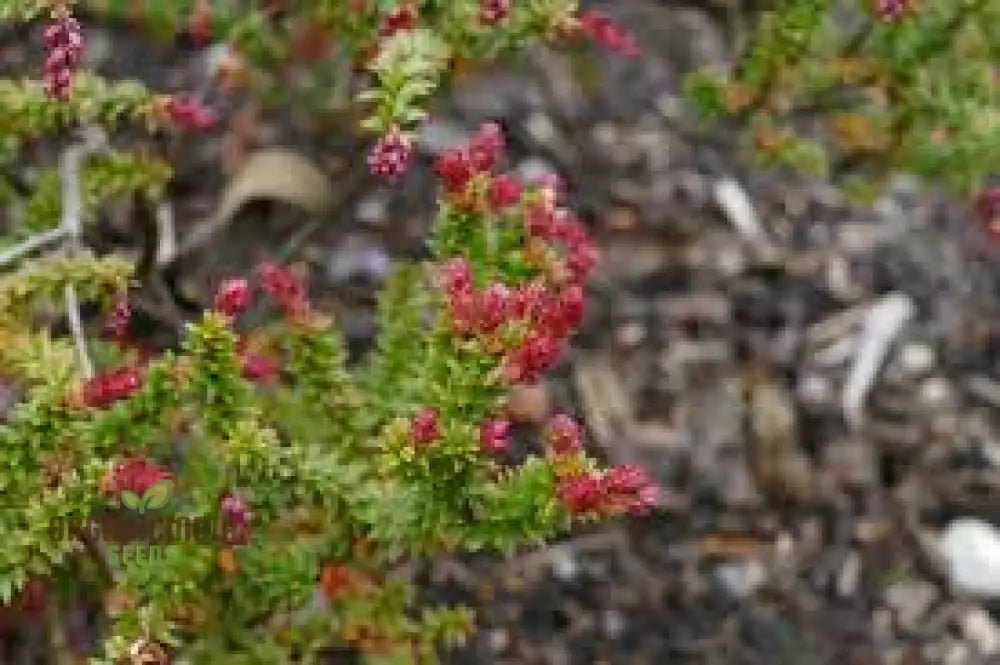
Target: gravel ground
x,y
815,384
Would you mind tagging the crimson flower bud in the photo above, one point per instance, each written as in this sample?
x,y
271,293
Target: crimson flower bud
x,y
236,510
424,427
600,27
135,475
563,434
505,191
486,146
492,12
580,494
494,434
493,306
390,156
453,168
233,297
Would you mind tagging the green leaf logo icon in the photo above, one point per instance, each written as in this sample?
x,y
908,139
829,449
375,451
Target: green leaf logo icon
x,y
155,497
130,500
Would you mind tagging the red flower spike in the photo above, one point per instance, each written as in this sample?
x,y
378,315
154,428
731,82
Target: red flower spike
x,y
493,306
452,166
494,435
539,220
629,488
486,146
582,259
117,322
581,494
563,434
492,12
424,427
391,154
333,580
135,475
463,312
236,510
233,297
108,388
530,300
890,10
258,368
604,30
399,19
283,287
190,114
64,46
565,312
505,191
455,276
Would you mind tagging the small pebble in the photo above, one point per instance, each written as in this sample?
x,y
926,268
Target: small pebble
x,y
980,628
971,551
741,578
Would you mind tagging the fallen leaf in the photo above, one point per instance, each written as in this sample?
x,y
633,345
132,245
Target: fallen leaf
x,y
273,174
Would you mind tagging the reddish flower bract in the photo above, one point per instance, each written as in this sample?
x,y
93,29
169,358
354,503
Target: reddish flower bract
x,y
424,427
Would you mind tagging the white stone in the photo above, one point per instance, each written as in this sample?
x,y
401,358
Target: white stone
x,y
739,210
564,564
980,628
970,549
917,358
741,578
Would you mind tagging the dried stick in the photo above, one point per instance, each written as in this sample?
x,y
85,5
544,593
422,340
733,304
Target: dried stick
x,y
70,162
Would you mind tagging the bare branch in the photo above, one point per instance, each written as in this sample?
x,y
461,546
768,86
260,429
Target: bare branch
x,y
32,244
70,162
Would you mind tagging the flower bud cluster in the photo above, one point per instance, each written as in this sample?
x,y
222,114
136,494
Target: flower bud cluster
x,y
63,53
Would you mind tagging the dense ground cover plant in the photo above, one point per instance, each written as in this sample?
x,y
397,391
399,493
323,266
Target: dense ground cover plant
x,y
864,88
266,492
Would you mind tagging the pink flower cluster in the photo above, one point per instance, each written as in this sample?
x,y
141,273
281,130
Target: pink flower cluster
x,y
548,318
891,10
492,12
117,322
425,427
287,291
236,510
624,488
390,156
235,295
135,475
109,387
604,30
403,17
458,167
190,113
63,53
256,367
494,435
527,325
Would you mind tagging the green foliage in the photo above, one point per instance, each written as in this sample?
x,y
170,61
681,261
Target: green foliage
x,y
916,93
333,489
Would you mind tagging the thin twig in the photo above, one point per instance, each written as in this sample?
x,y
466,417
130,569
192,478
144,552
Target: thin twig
x,y
32,244
70,162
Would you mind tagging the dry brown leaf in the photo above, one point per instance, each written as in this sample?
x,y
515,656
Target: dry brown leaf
x,y
273,174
